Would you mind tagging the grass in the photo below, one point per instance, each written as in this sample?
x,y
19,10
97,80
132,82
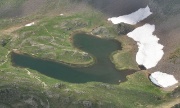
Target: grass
x,y
137,92
124,59
50,38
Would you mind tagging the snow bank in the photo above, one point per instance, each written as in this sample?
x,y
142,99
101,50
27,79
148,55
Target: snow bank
x,y
150,51
61,14
30,24
162,79
132,18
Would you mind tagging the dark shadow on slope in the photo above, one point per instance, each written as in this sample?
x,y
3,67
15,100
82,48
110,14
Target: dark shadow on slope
x,y
117,7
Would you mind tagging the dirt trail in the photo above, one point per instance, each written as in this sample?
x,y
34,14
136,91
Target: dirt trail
x,y
6,58
8,31
36,77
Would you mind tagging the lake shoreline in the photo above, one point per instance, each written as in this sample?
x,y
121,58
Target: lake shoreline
x,y
89,63
102,69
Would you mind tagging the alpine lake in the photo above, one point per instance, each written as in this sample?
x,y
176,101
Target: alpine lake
x,y
103,70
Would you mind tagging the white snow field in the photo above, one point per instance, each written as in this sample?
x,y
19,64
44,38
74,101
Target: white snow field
x,y
150,51
30,24
132,18
162,79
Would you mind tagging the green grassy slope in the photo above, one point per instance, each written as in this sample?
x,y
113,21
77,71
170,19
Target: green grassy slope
x,y
50,38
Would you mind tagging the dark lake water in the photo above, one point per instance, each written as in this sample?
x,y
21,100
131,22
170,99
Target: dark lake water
x,y
102,71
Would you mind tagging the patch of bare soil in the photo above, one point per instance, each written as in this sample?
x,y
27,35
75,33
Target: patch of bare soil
x,y
11,29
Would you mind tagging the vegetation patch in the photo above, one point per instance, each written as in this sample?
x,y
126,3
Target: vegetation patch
x,y
125,59
137,92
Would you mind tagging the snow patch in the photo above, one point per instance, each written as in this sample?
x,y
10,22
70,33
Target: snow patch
x,y
132,18
150,51
30,24
163,79
61,14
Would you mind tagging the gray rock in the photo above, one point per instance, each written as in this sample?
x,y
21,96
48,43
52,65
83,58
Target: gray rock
x,y
87,104
123,29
